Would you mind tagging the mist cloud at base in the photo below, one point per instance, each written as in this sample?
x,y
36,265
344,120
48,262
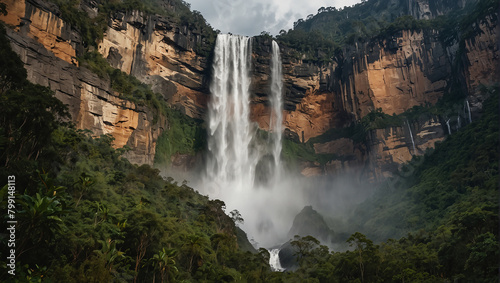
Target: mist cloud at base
x,y
269,210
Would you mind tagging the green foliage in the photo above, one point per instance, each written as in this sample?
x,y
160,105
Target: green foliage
x,y
184,135
94,216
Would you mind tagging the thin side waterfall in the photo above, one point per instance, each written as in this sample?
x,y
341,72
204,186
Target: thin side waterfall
x,y
230,132
459,124
411,136
276,120
274,260
448,125
468,110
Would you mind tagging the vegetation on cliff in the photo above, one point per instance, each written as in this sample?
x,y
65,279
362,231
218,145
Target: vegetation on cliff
x,y
321,37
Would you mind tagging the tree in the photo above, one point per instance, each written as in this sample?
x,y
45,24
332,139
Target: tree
x,y
164,262
304,246
40,215
83,184
364,249
236,216
195,246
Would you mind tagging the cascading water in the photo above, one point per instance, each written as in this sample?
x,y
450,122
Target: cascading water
x,y
276,120
448,125
274,260
459,124
230,132
468,110
237,157
411,136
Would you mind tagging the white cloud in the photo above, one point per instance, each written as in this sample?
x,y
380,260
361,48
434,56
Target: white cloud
x,y
251,17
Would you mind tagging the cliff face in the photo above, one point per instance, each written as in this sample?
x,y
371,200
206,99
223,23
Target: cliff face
x,y
394,74
480,61
160,53
38,20
430,9
48,48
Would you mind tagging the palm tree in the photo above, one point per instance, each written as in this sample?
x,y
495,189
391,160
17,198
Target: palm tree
x,y
195,245
164,262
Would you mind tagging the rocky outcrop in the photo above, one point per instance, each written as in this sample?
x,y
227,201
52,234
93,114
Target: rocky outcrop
x,y
394,74
37,20
92,103
156,50
309,109
159,52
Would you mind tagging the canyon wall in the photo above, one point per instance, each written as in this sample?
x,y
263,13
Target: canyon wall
x,y
48,46
394,74
159,52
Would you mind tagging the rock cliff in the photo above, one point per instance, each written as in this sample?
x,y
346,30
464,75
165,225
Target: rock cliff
x,y
394,74
48,48
160,53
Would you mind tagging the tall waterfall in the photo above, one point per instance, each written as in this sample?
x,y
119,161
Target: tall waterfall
x,y
276,120
237,157
448,125
230,132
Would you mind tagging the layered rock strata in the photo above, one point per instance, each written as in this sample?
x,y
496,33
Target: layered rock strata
x,y
47,46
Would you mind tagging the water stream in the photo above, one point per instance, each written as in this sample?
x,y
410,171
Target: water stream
x,y
468,110
411,136
274,260
448,125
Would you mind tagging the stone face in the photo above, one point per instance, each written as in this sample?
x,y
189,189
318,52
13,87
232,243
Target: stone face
x,y
91,102
44,26
150,48
159,53
395,74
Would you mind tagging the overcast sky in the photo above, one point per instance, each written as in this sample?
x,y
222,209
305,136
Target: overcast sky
x,y
251,17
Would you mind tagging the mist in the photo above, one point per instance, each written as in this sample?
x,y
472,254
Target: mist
x,y
268,209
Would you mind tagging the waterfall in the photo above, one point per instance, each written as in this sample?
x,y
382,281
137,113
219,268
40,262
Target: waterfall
x,y
242,169
468,110
448,125
276,117
411,136
459,124
274,260
230,132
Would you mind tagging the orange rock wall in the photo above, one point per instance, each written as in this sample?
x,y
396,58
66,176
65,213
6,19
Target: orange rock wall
x,y
37,36
153,55
48,29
